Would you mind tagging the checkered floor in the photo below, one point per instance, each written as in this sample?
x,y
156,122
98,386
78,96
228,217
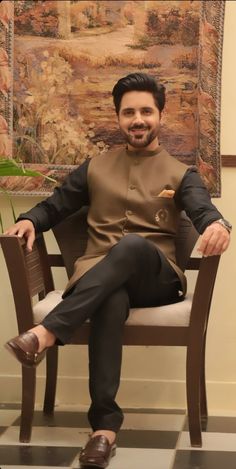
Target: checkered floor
x,y
148,440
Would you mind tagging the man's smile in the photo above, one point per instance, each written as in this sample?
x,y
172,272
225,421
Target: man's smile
x,y
138,131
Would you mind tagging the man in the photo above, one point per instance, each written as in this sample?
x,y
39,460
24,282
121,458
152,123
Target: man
x,y
135,196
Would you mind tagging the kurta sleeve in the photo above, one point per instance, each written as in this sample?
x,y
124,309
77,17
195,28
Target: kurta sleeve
x,y
193,197
65,200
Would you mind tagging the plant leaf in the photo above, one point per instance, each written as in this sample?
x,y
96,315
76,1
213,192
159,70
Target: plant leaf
x,y
12,168
1,223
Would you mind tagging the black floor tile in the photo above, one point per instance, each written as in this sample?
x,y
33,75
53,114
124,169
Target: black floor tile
x,y
155,411
147,439
205,460
37,455
58,419
2,430
217,424
79,419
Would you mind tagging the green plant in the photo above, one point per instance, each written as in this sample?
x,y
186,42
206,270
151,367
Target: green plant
x,y
11,167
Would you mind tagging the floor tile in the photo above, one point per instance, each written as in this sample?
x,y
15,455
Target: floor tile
x,y
59,419
2,430
78,437
154,422
37,456
147,439
42,435
143,458
127,410
210,442
218,424
205,460
8,416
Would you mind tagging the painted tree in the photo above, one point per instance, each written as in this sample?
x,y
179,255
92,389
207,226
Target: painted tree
x,y
64,19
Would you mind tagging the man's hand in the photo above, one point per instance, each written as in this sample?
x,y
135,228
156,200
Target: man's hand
x,y
214,240
23,228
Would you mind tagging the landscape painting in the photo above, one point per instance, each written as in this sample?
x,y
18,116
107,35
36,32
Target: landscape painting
x,y
68,55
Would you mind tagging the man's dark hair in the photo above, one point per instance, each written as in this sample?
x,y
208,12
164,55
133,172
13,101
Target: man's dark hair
x,y
139,82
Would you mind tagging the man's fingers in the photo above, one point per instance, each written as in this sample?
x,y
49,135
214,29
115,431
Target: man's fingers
x,y
11,231
23,228
204,244
16,230
215,241
21,232
30,241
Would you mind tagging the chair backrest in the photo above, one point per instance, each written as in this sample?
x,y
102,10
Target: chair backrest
x,y
29,274
71,236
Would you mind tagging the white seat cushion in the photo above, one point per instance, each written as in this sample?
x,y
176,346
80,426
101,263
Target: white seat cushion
x,y
43,307
176,314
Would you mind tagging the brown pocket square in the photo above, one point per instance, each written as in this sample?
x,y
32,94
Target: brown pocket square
x,y
169,193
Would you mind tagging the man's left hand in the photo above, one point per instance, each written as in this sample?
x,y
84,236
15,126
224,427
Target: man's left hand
x,y
214,241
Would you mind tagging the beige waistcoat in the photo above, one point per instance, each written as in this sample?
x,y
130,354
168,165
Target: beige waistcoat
x,y
124,190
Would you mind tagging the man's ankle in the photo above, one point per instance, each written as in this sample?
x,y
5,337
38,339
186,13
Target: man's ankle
x,y
109,434
45,338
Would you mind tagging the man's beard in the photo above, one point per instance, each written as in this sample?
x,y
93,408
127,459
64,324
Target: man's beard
x,y
140,141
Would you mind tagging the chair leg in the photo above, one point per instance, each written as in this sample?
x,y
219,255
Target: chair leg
x,y
203,393
28,401
204,410
51,379
193,379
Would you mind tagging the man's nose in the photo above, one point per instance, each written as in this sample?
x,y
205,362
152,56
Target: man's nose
x,y
138,119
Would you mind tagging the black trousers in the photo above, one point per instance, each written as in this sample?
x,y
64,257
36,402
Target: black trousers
x,y
133,274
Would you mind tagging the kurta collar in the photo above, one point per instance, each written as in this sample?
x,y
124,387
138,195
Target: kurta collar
x,y
144,152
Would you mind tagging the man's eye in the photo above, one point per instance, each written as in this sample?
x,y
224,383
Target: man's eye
x,y
147,111
128,113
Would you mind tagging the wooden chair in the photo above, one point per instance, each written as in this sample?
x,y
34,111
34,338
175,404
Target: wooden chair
x,y
181,324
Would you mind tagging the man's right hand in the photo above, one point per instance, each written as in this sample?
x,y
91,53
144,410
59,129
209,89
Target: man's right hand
x,y
23,228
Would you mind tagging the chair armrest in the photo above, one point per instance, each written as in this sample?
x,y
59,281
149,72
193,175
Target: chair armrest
x,y
203,293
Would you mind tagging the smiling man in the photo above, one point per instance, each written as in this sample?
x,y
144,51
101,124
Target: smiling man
x,y
135,196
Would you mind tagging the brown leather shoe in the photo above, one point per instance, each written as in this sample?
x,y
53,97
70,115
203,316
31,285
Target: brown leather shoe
x,y
97,452
24,347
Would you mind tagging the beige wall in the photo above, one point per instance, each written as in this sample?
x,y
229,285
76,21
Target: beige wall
x,y
152,377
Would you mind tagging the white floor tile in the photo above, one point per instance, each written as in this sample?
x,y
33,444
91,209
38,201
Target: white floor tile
x,y
8,416
47,436
142,458
210,441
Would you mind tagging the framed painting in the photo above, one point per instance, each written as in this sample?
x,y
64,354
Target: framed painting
x,y
59,61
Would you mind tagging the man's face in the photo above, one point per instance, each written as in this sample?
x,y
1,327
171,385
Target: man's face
x,y
139,120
